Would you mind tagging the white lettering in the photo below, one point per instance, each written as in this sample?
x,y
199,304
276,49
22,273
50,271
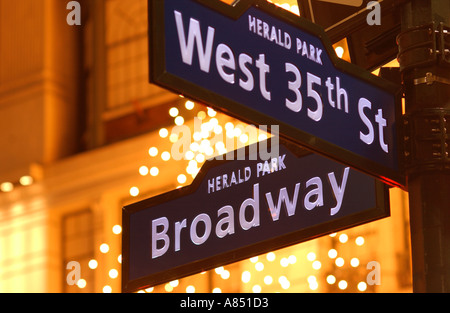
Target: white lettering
x,y
178,227
338,192
317,114
283,197
160,236
251,24
369,137
263,70
228,220
205,219
194,34
341,92
222,62
330,88
309,51
249,83
381,123
295,85
250,202
315,193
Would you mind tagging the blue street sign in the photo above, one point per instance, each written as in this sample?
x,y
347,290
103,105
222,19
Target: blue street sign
x,y
267,66
236,209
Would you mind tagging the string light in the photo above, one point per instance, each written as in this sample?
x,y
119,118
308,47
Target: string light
x,y
93,264
284,262
331,279
354,262
342,285
189,105
225,274
7,187
313,284
113,273
26,180
201,115
174,112
165,156
179,120
259,266
134,191
154,171
211,112
168,287
268,280
332,253
153,151
81,283
256,289
143,170
311,256
271,256
181,178
173,138
339,262
246,276
359,241
284,282
163,133
292,259
362,286
343,238
316,265
104,248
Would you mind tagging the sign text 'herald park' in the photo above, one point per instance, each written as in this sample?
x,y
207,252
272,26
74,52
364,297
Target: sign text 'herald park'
x,y
267,66
236,209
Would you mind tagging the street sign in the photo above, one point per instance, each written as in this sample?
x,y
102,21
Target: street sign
x,y
267,66
236,209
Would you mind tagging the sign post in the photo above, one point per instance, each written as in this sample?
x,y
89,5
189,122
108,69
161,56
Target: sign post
x,y
267,66
425,64
236,209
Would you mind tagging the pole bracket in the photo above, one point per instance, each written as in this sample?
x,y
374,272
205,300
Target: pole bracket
x,y
430,78
424,45
427,140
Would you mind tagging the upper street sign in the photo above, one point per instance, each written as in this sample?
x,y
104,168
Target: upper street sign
x,y
236,209
267,66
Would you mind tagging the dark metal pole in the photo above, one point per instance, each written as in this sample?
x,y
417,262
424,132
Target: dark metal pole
x,y
424,56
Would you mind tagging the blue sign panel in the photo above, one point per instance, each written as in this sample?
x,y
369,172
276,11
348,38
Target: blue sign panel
x,y
264,65
241,208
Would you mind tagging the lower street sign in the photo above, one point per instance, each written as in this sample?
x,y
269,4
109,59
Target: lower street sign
x,y
236,209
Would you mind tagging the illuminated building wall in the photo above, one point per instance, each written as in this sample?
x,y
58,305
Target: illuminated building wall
x,y
83,134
